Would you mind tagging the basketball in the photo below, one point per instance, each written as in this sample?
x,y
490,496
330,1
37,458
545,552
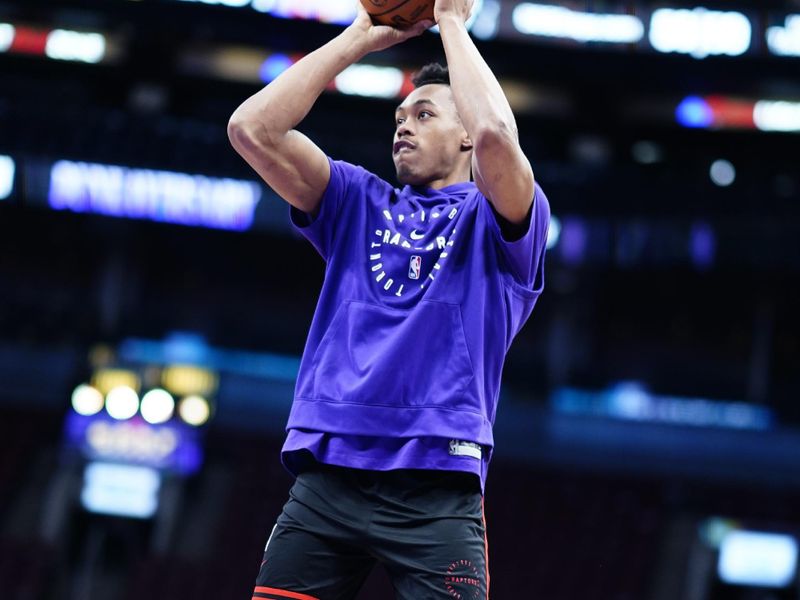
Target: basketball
x,y
399,13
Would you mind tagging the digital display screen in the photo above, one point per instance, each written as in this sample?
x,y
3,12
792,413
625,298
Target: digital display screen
x,y
120,490
172,446
757,559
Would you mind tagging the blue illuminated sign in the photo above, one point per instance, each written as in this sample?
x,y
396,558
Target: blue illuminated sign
x,y
153,195
630,401
171,446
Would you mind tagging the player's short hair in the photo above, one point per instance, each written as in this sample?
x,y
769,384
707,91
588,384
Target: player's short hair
x,y
431,73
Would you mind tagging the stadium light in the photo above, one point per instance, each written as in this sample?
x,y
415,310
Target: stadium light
x,y
700,32
106,379
370,80
771,115
785,41
122,403
487,15
194,410
157,406
694,111
560,22
646,152
87,400
7,169
187,380
722,173
6,36
486,21
74,45
553,232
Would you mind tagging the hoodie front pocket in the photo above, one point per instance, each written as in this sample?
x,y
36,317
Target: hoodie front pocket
x,y
372,354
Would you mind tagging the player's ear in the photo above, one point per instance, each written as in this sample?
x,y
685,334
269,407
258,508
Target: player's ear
x,y
466,143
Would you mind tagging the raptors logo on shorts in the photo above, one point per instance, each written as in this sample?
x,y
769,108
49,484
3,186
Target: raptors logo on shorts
x,y
462,580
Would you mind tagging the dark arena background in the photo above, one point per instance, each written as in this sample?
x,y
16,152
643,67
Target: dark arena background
x,y
154,301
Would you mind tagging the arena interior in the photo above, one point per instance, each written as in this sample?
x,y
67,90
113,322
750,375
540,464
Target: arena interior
x,y
154,300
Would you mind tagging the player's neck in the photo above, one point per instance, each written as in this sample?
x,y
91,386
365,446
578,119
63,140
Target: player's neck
x,y
458,176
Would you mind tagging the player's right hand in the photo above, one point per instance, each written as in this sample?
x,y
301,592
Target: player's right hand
x,y
461,9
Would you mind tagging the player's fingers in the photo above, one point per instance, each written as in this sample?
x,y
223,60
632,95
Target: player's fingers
x,y
417,28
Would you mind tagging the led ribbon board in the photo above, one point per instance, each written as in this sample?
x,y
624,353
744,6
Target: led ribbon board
x,y
722,112
58,44
153,195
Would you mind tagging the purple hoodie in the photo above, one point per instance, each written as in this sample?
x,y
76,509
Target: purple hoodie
x,y
421,299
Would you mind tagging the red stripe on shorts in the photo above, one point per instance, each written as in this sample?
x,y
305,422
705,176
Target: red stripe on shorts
x,y
280,593
485,548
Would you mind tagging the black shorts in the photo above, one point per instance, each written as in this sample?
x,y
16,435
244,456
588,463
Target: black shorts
x,y
425,527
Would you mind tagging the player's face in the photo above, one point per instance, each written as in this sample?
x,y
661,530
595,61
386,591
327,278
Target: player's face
x,y
429,137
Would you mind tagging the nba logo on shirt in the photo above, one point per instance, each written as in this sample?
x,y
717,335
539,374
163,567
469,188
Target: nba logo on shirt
x,y
414,267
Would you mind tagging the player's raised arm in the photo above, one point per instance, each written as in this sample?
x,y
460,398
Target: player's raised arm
x,y
262,128
501,171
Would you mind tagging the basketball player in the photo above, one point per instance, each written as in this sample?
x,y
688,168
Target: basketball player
x,y
390,431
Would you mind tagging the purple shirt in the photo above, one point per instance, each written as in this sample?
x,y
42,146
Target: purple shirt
x,y
421,299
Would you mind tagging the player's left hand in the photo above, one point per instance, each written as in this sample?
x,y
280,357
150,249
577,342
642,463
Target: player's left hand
x,y
459,8
380,37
